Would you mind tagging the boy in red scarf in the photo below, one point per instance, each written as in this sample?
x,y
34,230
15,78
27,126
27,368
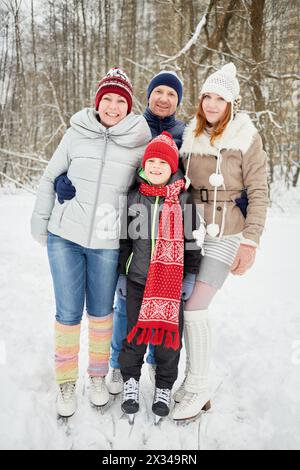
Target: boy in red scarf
x,y
158,264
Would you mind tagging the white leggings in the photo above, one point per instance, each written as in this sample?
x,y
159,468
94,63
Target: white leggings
x,y
201,297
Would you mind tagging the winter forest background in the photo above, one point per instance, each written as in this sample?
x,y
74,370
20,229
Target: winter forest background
x,y
53,52
52,55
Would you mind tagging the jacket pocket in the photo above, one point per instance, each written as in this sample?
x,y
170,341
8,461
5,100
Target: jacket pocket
x,y
58,213
62,214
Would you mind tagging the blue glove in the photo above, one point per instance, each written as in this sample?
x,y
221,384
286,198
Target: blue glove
x,y
242,202
122,287
188,286
64,188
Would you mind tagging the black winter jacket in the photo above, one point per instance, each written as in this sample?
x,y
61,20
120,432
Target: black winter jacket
x,y
140,227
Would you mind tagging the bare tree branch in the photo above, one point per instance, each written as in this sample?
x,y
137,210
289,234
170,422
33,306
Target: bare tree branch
x,y
17,183
53,136
56,100
139,65
191,42
284,76
20,155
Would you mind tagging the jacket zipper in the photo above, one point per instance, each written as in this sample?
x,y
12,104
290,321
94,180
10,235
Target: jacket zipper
x,y
128,263
153,225
106,138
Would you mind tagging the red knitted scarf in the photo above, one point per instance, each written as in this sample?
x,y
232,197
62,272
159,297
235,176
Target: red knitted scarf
x,y
159,315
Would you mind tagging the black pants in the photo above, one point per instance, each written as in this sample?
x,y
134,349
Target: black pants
x,y
132,356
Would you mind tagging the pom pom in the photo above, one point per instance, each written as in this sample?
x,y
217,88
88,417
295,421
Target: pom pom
x,y
229,69
213,230
199,235
216,180
167,134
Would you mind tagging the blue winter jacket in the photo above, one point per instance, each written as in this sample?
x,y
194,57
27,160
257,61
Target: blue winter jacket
x,y
170,123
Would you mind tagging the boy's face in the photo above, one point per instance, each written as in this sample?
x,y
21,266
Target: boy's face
x,y
157,171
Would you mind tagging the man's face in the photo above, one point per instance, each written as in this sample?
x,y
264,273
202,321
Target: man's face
x,y
163,101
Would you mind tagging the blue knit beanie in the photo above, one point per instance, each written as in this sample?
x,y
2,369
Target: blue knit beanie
x,y
167,78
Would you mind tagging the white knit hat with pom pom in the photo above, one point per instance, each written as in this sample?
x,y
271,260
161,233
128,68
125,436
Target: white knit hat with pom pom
x,y
223,82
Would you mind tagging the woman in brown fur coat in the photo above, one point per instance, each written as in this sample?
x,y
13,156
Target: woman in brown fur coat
x,y
224,160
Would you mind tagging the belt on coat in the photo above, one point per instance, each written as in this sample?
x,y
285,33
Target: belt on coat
x,y
223,195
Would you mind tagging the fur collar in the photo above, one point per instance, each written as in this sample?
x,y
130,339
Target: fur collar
x,y
238,136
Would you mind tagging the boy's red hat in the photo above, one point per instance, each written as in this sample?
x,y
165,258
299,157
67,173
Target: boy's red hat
x,y
163,147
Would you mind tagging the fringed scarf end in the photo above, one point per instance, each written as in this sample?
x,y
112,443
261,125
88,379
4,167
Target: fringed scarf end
x,y
132,334
156,337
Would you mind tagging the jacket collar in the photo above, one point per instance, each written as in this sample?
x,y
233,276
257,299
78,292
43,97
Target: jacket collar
x,y
132,131
154,120
237,136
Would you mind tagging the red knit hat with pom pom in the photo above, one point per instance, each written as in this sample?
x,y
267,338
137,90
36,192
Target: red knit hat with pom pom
x,y
115,81
163,147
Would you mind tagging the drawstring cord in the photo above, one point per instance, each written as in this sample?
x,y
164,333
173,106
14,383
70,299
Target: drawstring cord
x,y
218,172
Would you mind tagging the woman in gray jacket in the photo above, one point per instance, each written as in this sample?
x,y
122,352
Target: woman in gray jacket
x,y
100,153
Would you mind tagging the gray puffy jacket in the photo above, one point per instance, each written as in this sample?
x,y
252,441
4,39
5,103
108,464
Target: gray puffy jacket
x,y
101,164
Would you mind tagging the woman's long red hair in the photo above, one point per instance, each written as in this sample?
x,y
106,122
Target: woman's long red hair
x,y
218,128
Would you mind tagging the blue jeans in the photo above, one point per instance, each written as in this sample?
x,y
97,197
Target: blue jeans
x,y
81,275
119,334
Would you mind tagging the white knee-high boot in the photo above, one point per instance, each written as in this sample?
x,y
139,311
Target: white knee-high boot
x,y
198,340
180,392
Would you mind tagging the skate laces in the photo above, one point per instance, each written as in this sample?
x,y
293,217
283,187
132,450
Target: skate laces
x,y
131,390
117,376
67,391
188,397
98,383
163,395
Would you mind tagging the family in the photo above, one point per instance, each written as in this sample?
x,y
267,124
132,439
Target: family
x,y
144,217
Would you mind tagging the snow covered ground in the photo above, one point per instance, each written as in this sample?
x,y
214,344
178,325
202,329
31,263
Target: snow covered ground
x,y
255,374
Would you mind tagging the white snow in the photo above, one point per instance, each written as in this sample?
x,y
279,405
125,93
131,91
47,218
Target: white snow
x,y
255,374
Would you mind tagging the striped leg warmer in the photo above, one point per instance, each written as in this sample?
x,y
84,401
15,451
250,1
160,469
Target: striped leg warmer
x,y
100,333
67,343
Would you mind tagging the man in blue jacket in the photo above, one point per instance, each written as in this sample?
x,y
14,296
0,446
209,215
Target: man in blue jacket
x,y
164,94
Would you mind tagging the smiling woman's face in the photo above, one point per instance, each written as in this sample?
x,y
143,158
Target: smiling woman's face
x,y
112,109
214,107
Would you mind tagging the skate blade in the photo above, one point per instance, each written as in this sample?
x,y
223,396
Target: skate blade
x,y
128,417
192,419
101,408
187,421
131,419
158,420
63,419
115,396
